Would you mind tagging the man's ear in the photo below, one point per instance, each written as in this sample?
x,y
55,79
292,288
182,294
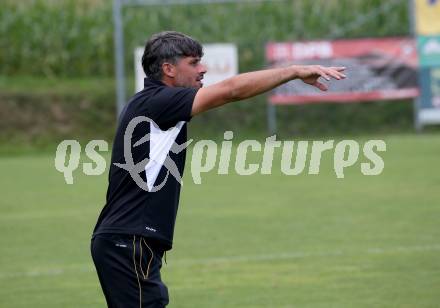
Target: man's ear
x,y
169,70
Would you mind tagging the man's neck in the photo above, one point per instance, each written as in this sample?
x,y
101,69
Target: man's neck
x,y
168,81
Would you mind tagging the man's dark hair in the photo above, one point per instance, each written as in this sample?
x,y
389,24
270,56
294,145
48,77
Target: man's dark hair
x,y
167,46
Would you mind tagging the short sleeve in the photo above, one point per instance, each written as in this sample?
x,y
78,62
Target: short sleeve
x,y
171,105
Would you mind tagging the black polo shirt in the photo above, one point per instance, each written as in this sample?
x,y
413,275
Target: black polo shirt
x,y
134,209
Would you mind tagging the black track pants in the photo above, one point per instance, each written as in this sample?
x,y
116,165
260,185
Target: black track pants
x,y
128,268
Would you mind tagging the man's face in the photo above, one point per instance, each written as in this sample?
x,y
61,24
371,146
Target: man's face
x,y
189,72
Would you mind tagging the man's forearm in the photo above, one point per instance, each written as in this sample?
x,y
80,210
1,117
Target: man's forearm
x,y
251,84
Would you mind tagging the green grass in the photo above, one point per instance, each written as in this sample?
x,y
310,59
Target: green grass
x,y
25,84
241,241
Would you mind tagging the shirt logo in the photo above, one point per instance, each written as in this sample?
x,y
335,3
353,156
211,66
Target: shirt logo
x,y
157,159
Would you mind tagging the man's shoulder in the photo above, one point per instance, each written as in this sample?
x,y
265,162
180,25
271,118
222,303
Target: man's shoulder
x,y
147,94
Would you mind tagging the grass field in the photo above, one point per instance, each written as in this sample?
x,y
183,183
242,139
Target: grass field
x,y
241,241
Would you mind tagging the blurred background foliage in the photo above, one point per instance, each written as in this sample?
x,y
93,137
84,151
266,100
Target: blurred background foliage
x,y
71,38
60,53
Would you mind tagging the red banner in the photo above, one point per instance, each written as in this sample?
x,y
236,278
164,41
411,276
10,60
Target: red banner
x,y
376,69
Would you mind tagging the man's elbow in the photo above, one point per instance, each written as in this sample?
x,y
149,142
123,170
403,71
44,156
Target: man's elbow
x,y
230,91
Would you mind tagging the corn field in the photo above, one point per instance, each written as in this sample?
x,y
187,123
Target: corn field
x,y
71,38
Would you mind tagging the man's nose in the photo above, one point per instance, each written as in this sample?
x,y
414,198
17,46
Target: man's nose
x,y
203,68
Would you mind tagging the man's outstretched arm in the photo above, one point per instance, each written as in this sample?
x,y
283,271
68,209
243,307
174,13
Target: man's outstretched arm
x,y
251,84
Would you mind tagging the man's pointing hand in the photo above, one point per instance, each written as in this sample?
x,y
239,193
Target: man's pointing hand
x,y
310,74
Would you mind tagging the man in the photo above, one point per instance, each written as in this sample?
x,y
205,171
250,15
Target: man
x,y
136,225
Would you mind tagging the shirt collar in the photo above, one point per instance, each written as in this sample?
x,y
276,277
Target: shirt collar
x,y
149,81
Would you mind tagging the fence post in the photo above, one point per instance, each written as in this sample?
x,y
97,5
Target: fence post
x,y
119,56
